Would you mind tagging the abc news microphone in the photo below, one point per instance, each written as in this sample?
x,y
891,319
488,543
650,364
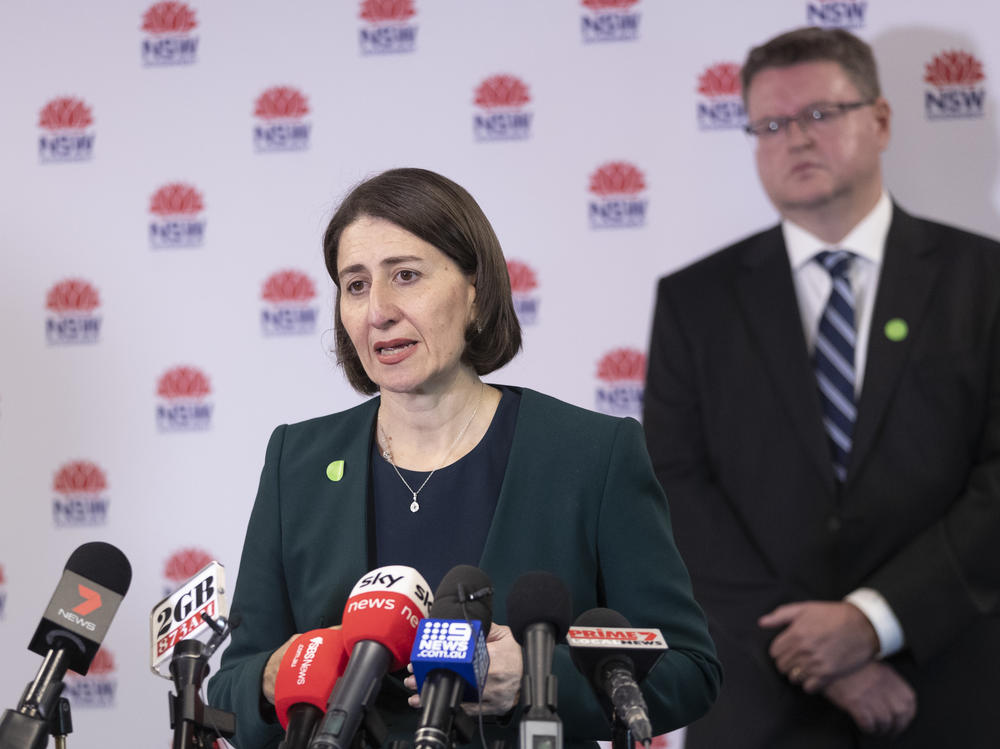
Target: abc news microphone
x,y
305,679
449,656
94,582
539,610
379,625
614,656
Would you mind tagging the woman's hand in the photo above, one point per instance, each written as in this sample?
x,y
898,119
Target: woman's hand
x,y
271,670
503,682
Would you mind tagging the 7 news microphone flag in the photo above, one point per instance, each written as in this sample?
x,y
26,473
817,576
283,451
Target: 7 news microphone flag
x,y
94,582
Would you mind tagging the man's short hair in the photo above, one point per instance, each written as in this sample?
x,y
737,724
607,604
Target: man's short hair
x,y
813,44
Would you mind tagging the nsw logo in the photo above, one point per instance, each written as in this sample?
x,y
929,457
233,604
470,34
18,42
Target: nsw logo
x,y
609,21
81,495
288,308
96,689
65,135
720,106
182,405
836,14
169,38
388,27
176,219
502,115
73,313
956,87
617,200
280,113
524,285
183,565
622,375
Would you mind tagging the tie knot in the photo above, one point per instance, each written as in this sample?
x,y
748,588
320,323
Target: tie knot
x,y
836,262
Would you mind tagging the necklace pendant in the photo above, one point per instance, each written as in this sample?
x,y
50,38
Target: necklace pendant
x,y
414,505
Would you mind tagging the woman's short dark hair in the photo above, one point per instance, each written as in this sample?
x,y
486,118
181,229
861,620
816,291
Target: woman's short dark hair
x,y
813,44
445,215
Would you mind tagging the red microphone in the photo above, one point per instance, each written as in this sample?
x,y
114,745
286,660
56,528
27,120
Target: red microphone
x,y
379,626
309,669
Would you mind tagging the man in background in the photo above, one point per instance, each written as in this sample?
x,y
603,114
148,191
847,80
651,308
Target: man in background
x,y
823,410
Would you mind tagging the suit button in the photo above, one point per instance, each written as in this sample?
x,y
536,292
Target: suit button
x,y
833,524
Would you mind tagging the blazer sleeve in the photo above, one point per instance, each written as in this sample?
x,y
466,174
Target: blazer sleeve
x,y
711,537
642,576
949,574
263,613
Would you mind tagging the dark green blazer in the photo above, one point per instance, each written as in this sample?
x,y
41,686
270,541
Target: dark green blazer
x,y
579,499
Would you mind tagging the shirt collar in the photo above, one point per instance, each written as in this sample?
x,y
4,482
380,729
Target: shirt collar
x,y
866,239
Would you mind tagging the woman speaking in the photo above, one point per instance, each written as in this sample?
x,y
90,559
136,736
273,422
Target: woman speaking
x,y
443,469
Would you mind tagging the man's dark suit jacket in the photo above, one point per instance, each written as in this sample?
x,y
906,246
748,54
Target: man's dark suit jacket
x,y
578,499
732,418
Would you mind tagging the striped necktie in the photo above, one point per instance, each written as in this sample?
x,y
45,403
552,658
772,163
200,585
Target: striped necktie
x,y
834,360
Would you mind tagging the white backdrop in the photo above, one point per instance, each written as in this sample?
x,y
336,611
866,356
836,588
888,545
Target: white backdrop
x,y
168,169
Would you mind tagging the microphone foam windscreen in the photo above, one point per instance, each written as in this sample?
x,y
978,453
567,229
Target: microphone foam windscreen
x,y
466,592
309,669
102,563
539,597
590,662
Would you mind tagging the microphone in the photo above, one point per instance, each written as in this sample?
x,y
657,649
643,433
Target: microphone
x,y
615,656
94,582
539,608
449,656
179,616
379,625
309,669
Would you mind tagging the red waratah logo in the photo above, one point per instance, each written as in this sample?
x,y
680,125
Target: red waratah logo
x,y
502,91
288,286
609,4
65,113
183,382
176,199
722,79
623,364
375,11
617,178
72,295
185,564
169,18
103,663
954,68
281,102
522,277
2,578
80,476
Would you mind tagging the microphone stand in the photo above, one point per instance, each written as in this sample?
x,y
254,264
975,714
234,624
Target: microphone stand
x,y
41,711
195,724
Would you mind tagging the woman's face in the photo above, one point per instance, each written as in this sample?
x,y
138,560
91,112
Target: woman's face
x,y
405,306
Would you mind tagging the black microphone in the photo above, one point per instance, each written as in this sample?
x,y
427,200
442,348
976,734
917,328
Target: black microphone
x,y
615,656
539,609
442,648
94,581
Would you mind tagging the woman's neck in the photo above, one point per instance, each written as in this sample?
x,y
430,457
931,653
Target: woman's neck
x,y
425,431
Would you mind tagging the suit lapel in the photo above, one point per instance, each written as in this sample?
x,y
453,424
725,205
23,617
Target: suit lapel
x,y
909,271
767,298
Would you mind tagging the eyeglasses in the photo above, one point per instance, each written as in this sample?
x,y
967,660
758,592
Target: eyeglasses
x,y
820,114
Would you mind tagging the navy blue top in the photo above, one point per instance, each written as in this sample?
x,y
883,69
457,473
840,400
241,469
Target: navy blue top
x,y
456,505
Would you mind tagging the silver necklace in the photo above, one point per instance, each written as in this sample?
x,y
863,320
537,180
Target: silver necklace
x,y
387,453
